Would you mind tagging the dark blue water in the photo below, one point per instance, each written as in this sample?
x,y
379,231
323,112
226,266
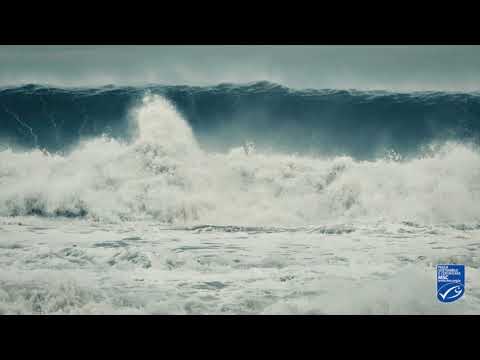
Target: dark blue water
x,y
361,124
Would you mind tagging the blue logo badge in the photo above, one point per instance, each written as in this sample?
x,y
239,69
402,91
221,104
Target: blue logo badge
x,y
450,282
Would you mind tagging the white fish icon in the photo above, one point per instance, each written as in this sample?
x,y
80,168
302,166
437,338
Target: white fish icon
x,y
458,290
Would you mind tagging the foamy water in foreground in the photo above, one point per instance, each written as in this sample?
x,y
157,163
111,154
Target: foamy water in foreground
x,y
120,227
78,267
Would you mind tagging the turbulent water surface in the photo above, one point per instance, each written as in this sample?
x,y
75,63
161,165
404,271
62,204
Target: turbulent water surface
x,y
236,199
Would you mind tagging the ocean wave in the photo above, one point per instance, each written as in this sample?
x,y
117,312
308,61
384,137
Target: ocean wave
x,y
163,173
360,124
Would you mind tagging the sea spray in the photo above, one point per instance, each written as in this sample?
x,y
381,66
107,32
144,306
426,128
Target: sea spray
x,y
165,175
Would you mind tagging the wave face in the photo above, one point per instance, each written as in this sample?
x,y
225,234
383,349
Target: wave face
x,y
163,173
359,124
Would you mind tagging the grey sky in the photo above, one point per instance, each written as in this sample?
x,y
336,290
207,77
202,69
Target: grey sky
x,y
361,67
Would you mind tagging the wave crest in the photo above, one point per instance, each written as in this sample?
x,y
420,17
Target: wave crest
x,y
165,175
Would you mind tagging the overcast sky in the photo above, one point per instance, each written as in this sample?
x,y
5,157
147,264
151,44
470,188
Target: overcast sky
x,y
362,67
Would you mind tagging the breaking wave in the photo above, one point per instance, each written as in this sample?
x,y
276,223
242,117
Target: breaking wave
x,y
360,124
163,173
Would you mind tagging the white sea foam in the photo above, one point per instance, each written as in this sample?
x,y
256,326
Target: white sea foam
x,y
165,175
58,266
159,225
